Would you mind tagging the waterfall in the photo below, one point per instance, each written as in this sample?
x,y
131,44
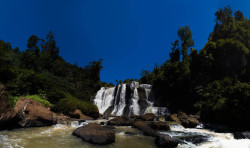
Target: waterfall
x,y
124,99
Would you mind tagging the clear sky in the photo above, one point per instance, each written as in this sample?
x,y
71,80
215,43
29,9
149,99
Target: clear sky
x,y
130,35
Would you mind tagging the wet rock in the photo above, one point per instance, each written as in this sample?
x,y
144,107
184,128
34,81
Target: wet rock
x,y
130,133
165,141
188,121
146,130
79,115
148,117
95,134
160,118
160,126
241,135
8,117
34,114
172,117
121,121
94,115
195,139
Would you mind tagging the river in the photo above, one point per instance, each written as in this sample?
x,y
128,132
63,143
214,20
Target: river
x,y
61,136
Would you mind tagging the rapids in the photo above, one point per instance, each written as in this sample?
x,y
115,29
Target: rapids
x,y
61,136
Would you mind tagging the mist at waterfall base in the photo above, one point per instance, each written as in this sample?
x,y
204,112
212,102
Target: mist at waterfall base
x,y
128,99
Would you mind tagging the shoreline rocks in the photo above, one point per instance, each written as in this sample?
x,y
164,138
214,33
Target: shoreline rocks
x,y
79,115
8,117
34,114
96,134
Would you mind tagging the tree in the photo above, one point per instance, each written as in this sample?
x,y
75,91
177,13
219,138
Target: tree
x,y
175,53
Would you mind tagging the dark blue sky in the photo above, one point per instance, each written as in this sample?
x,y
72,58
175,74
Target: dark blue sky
x,y
130,35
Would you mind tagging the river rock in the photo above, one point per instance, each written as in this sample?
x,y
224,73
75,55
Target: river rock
x,y
160,126
34,114
172,117
195,139
188,121
121,121
165,141
148,117
95,134
79,115
146,130
241,135
8,117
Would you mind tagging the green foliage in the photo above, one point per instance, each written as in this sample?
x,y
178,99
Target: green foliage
x,y
226,102
70,103
13,100
215,80
40,70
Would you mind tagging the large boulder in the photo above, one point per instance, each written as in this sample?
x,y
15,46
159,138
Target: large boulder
x,y
96,134
148,117
8,117
34,114
195,139
242,135
121,121
172,117
188,121
143,126
165,141
160,126
79,115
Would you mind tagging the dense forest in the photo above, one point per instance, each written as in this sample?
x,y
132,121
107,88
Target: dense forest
x,y
214,81
39,72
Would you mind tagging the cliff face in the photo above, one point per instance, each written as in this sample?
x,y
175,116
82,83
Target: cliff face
x,y
127,99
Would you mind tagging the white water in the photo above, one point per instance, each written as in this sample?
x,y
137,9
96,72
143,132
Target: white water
x,y
215,140
118,110
106,98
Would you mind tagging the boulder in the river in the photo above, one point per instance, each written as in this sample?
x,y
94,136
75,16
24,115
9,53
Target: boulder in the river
x,y
79,115
165,141
121,121
95,134
34,114
146,130
148,117
8,117
195,139
188,121
160,126
172,117
241,135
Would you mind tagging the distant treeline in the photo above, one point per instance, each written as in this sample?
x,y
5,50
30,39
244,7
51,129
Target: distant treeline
x,y
39,70
215,80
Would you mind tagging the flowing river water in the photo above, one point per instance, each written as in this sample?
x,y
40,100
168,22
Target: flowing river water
x,y
61,136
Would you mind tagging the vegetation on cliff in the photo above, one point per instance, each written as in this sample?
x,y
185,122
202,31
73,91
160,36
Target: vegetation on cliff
x,y
40,70
214,80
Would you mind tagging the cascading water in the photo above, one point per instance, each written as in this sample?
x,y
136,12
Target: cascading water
x,y
124,99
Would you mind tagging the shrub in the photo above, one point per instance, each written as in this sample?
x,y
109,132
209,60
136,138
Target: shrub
x,y
13,100
70,103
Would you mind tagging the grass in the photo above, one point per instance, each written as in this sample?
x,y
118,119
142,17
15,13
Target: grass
x,y
13,100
